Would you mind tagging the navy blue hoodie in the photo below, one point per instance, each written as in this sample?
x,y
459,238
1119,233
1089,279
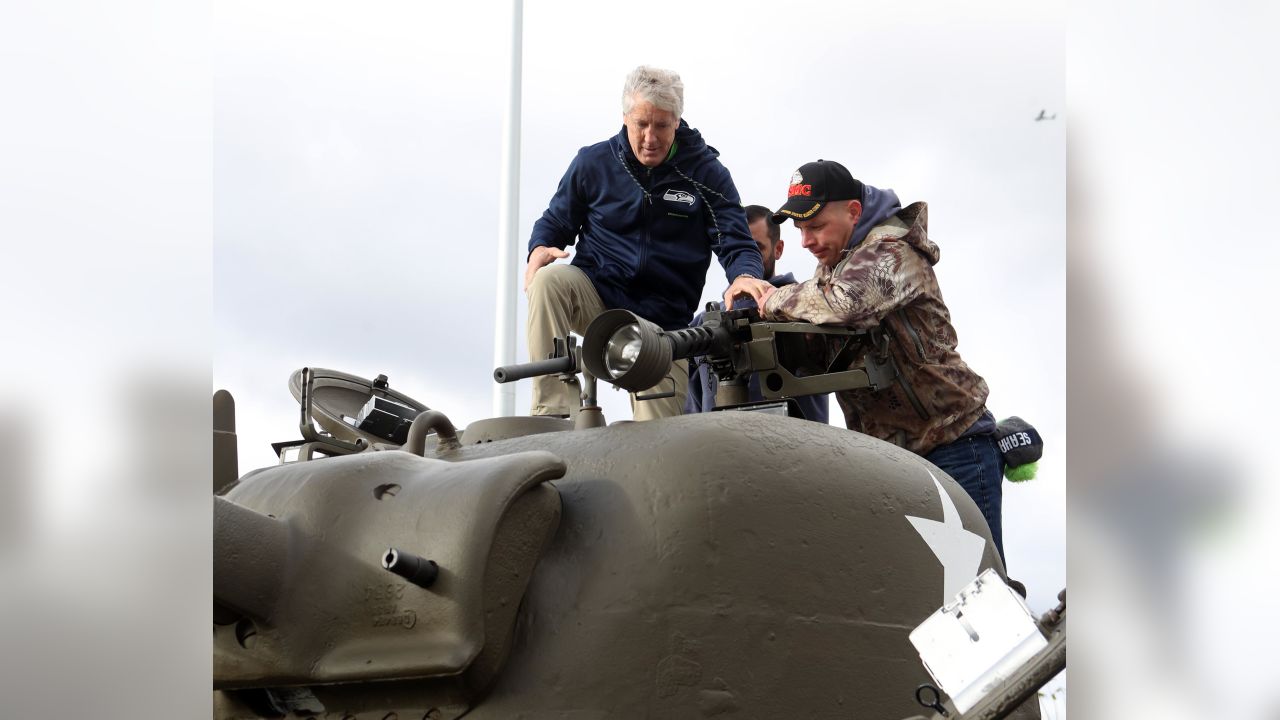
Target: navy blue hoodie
x,y
645,235
877,206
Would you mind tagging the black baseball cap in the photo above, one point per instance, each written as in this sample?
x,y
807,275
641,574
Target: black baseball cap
x,y
814,185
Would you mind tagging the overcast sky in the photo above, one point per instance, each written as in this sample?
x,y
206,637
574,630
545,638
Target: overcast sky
x,y
357,151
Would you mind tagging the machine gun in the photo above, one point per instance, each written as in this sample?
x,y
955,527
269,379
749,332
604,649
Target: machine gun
x,y
790,357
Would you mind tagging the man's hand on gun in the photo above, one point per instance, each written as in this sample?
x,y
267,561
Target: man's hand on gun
x,y
743,286
760,301
540,257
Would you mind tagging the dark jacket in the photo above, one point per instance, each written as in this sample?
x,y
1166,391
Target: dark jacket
x,y
702,385
886,280
645,235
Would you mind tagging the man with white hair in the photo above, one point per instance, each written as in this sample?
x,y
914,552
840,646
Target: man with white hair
x,y
646,208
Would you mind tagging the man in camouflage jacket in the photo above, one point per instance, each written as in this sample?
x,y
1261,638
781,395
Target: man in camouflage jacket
x,y
875,270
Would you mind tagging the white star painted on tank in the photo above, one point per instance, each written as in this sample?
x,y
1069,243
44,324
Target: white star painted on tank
x,y
959,550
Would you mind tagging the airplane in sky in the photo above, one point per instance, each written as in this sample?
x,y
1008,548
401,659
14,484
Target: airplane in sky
x,y
1042,116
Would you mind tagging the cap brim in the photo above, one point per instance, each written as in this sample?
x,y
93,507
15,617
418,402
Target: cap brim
x,y
797,208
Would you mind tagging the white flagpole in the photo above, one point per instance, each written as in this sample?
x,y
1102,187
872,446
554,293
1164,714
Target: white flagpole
x,y
504,329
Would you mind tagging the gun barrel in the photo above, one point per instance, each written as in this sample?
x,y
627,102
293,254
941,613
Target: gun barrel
x,y
520,371
697,341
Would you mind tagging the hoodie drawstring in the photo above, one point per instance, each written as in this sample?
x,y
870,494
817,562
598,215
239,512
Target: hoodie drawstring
x,y
698,188
627,166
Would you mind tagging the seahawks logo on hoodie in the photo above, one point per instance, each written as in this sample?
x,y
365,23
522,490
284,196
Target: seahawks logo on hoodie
x,y
679,198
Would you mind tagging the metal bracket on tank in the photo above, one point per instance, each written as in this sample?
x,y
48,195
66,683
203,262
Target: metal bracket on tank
x,y
325,443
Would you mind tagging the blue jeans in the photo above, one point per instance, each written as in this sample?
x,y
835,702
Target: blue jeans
x,y
975,462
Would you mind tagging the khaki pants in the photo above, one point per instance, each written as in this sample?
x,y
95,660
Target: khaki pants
x,y
561,298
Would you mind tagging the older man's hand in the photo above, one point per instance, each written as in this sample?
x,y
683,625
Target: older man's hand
x,y
539,258
760,301
746,286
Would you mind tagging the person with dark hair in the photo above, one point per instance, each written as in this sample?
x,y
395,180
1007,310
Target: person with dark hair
x,y
875,270
646,209
702,388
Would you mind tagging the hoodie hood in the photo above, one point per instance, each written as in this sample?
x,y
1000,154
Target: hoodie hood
x,y
914,219
877,206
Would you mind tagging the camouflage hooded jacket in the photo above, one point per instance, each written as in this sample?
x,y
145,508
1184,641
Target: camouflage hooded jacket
x,y
887,281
